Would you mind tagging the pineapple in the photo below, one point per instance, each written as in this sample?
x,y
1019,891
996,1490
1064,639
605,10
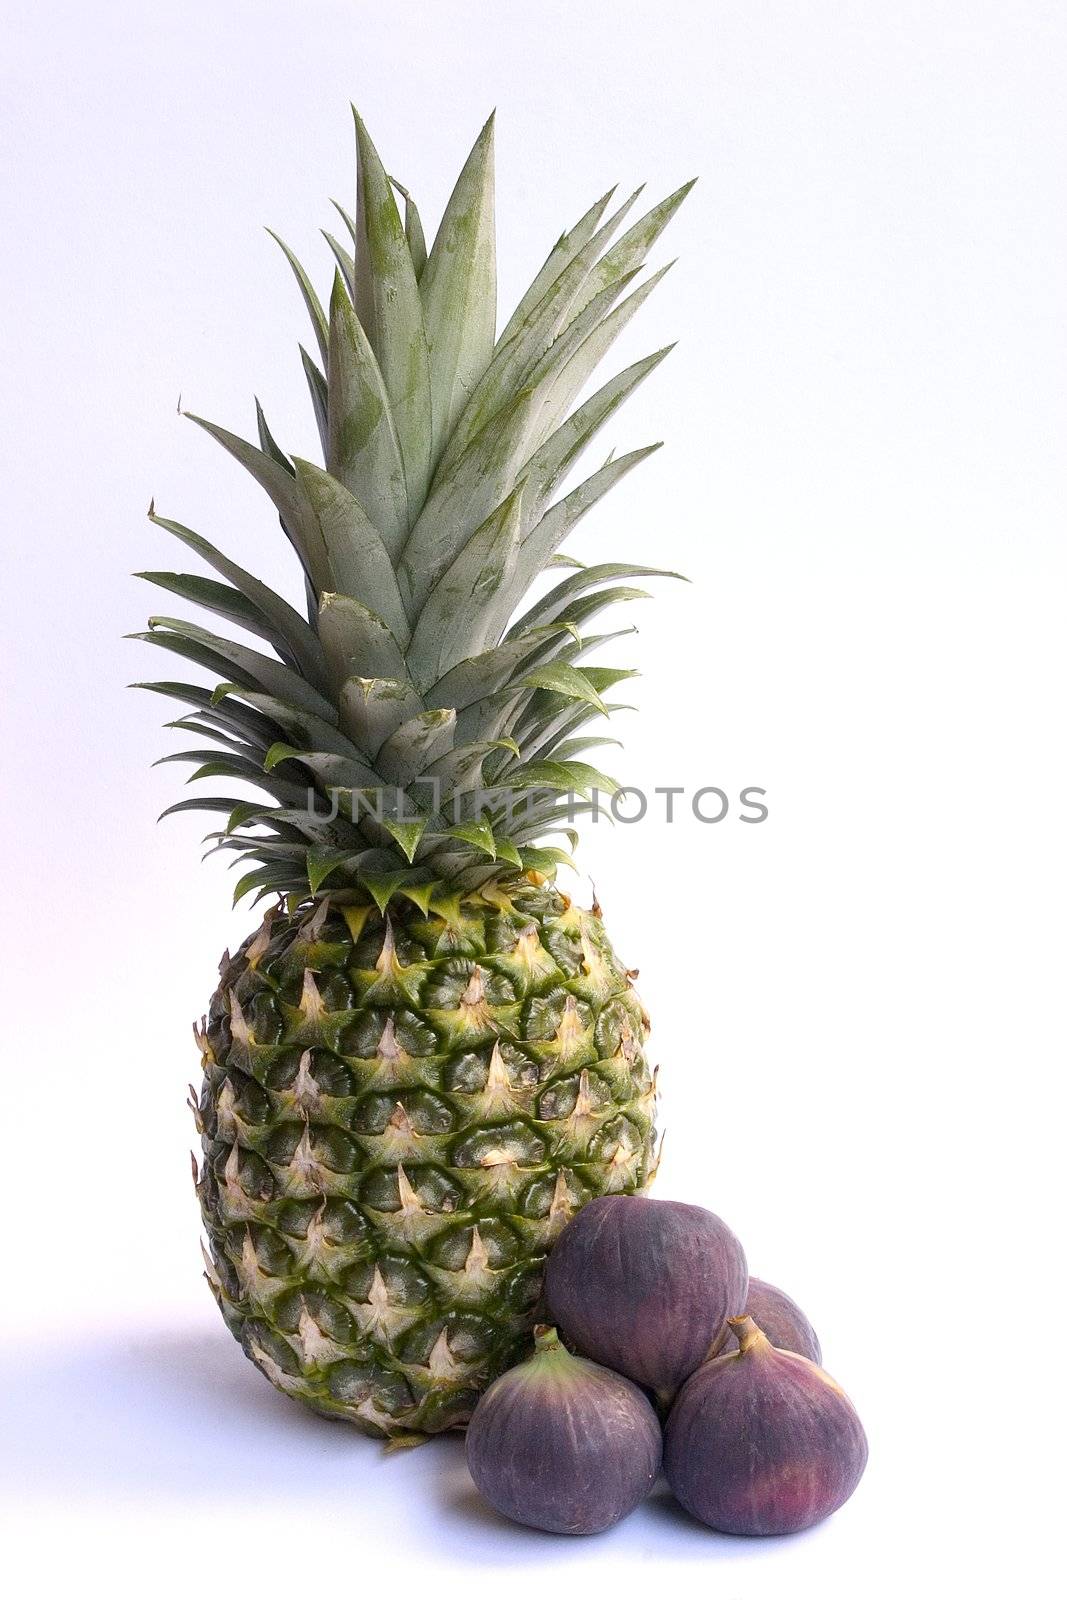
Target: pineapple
x,y
426,1057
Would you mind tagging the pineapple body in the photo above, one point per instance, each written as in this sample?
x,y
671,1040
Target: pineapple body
x,y
398,1114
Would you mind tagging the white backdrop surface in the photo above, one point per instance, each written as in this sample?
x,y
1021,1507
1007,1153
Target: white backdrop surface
x,y
858,1005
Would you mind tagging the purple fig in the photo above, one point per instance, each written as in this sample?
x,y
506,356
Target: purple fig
x,y
562,1444
762,1440
646,1286
781,1319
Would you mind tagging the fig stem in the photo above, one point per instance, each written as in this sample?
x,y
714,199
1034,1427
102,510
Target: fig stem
x,y
547,1339
663,1402
749,1335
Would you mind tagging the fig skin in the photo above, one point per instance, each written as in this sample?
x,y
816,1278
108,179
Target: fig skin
x,y
646,1287
562,1444
781,1319
762,1441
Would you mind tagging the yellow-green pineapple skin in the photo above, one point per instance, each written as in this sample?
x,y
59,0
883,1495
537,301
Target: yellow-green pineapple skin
x,y
398,1114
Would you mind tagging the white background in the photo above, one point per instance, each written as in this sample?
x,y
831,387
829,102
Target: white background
x,y
858,1005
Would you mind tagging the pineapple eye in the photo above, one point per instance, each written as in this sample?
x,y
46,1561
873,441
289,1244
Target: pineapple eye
x,y
513,1144
579,1095
369,1035
425,1113
391,1281
490,1244
423,1189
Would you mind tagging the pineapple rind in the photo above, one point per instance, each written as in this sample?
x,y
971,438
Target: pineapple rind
x,y
398,1114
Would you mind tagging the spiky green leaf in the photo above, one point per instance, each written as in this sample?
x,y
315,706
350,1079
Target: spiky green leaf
x,y
458,290
561,678
389,307
357,643
287,624
311,299
364,451
414,745
358,560
458,616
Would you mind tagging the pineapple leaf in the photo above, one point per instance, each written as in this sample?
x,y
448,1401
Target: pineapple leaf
x,y
406,834
320,402
516,360
261,849
586,779
553,775
478,676
200,803
329,832
219,598
413,230
384,885
459,613
554,604
350,223
311,299
543,735
281,790
238,718
298,520
300,640
415,744
571,682
460,768
346,262
267,442
462,498
555,457
458,291
268,878
331,771
358,560
546,860
312,731
562,252
590,347
435,514
588,606
364,452
604,678
565,643
261,671
356,641
628,255
193,724
557,355
560,520
320,863
200,756
373,708
479,834
388,306
575,747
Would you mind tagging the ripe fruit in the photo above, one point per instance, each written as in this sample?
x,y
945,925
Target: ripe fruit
x,y
562,1444
426,1058
781,1319
646,1286
762,1441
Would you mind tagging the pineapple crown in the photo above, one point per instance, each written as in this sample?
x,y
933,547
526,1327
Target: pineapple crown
x,y
412,736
